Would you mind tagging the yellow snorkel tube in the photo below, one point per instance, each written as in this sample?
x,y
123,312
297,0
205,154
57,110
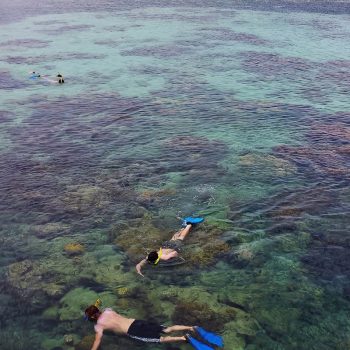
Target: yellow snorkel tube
x,y
98,303
159,256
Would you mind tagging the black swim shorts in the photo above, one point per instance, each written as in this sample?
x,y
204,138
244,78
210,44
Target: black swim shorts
x,y
149,332
175,244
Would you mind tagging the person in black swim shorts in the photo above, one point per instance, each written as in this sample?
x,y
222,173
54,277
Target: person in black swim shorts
x,y
169,249
145,331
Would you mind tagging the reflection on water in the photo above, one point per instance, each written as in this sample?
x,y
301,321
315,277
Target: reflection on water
x,y
172,111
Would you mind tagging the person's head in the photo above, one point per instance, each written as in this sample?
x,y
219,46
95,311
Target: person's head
x,y
152,257
92,313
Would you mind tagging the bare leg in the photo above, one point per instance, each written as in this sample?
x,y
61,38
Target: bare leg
x,y
178,328
172,339
183,233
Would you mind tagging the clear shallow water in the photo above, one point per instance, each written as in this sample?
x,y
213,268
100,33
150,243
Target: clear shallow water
x,y
237,114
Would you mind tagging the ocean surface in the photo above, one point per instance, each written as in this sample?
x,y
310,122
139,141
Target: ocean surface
x,y
238,113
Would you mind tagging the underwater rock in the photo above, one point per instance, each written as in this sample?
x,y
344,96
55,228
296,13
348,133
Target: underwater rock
x,y
287,212
226,34
122,291
277,166
50,313
80,198
135,212
292,206
68,339
75,302
205,246
327,160
139,238
86,343
160,51
327,261
34,282
207,253
272,65
232,340
52,344
199,313
154,193
28,43
335,133
6,116
194,152
50,230
74,248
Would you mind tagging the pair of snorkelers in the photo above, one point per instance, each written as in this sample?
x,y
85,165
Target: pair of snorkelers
x,y
152,332
59,77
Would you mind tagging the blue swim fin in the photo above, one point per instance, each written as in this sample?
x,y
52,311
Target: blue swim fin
x,y
192,220
197,344
210,337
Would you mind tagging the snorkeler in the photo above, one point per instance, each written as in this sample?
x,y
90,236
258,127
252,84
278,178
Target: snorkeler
x,y
60,78
34,75
169,249
146,331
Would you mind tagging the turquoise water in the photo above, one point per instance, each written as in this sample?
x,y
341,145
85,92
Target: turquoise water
x,y
237,114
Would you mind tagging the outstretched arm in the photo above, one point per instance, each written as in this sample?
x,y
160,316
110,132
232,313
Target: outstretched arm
x,y
97,341
139,266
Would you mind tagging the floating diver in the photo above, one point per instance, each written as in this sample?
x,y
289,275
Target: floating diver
x,y
34,75
146,331
169,251
60,78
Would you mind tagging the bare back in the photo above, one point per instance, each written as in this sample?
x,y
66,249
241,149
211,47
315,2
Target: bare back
x,y
112,321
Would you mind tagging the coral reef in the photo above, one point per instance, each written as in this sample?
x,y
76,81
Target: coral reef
x,y
140,238
82,197
196,313
50,230
73,303
269,163
34,283
74,248
226,34
85,343
327,151
207,253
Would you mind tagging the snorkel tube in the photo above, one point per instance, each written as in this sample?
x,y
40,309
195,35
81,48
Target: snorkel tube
x,y
159,256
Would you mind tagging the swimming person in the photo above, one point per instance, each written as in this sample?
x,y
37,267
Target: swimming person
x,y
60,78
149,332
169,249
145,331
34,75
